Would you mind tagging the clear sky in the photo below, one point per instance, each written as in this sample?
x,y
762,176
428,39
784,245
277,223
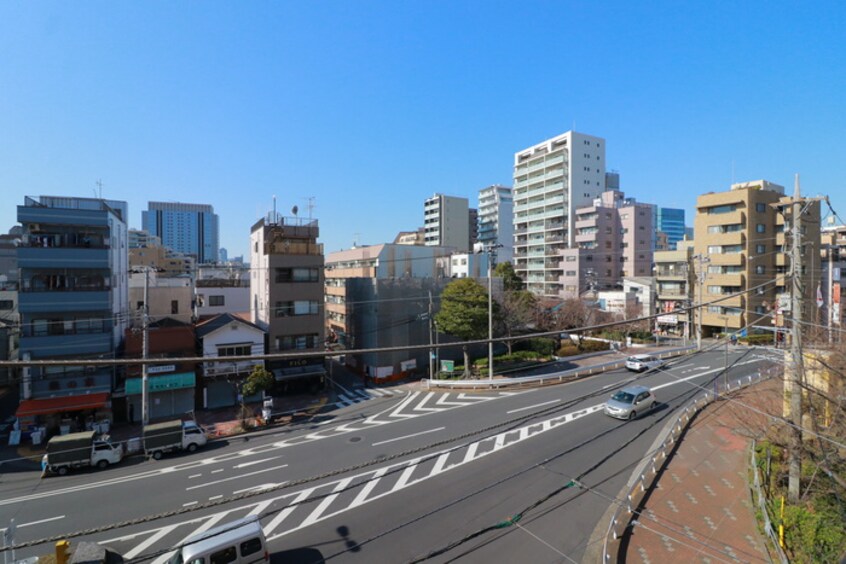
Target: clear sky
x,y
371,107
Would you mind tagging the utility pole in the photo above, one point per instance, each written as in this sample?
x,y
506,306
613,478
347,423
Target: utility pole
x,y
794,391
830,293
145,396
701,275
431,350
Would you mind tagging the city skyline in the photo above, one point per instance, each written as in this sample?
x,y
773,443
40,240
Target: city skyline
x,y
230,108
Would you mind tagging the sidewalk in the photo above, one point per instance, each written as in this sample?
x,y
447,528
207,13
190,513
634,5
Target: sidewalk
x,y
701,507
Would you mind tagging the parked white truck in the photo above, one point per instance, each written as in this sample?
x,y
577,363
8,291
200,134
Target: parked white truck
x,y
77,450
169,436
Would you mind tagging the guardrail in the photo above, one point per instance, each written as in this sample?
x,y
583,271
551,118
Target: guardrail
x,y
625,515
762,505
572,374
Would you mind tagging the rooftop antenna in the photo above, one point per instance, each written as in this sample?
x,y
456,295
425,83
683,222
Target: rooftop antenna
x,y
356,235
274,209
310,205
99,184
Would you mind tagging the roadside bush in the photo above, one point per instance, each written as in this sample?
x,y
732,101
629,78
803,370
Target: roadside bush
x,y
540,345
761,339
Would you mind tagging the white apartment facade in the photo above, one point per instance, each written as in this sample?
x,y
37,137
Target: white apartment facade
x,y
551,180
496,220
446,222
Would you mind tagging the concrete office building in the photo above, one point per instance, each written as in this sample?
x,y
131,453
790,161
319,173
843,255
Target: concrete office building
x,y
191,229
73,302
446,222
741,233
9,318
286,294
613,241
674,290
551,180
496,220
670,221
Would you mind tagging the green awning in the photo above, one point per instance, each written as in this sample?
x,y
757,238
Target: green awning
x,y
162,383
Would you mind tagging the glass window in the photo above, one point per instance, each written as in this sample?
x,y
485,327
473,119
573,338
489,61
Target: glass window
x,y
250,547
760,249
761,228
224,556
216,300
759,207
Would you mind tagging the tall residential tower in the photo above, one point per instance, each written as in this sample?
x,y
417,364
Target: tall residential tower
x,y
496,217
551,180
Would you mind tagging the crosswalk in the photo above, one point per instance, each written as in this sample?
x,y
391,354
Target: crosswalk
x,y
358,395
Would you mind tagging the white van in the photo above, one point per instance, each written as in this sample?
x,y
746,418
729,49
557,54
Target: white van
x,y
241,542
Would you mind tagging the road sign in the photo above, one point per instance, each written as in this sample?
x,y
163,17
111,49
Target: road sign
x,y
448,366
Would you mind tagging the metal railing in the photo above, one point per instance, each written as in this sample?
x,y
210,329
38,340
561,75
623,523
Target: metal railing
x,y
762,505
558,377
625,515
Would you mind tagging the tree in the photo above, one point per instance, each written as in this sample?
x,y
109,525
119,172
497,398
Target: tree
x,y
510,281
258,381
573,314
464,312
518,309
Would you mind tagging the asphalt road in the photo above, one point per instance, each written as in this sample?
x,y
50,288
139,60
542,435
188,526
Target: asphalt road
x,y
399,474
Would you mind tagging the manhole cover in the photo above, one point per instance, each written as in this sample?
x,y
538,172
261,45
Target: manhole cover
x,y
355,439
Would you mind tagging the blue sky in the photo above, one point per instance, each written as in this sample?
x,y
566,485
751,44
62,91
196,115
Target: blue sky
x,y
371,107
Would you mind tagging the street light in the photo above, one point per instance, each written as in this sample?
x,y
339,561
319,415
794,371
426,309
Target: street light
x,y
490,249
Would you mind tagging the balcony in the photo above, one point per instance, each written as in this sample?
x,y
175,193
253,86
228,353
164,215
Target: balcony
x,y
63,257
673,295
59,302
42,346
733,279
727,259
731,238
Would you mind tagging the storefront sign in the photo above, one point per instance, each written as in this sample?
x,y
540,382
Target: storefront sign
x,y
668,319
161,369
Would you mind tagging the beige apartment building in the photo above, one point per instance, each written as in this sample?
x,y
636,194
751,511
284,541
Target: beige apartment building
x,y
674,289
740,235
286,293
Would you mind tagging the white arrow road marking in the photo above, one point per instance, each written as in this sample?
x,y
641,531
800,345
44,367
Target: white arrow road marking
x,y
419,406
238,477
532,406
408,436
400,407
474,399
150,541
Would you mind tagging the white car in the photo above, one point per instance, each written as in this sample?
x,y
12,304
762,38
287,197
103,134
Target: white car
x,y
643,362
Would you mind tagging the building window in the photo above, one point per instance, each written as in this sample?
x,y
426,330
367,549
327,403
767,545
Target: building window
x,y
235,350
759,207
298,307
760,269
761,228
216,301
721,209
571,259
296,342
285,275
570,273
174,307
760,249
7,304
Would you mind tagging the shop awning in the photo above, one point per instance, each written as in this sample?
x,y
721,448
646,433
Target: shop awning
x,y
162,383
295,372
46,406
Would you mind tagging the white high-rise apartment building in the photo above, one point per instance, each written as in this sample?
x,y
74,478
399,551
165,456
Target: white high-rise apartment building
x,y
496,220
551,180
446,222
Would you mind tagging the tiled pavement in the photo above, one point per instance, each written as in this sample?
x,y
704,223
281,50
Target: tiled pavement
x,y
701,509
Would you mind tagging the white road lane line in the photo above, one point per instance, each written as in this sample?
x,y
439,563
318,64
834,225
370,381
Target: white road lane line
x,y
218,471
47,520
189,504
238,477
282,515
245,464
327,501
401,406
151,540
419,406
532,406
208,524
192,476
408,436
214,497
368,487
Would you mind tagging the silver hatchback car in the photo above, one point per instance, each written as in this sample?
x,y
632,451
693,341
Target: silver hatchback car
x,y
628,402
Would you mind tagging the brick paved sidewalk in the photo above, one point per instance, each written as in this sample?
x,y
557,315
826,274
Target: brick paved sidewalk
x,y
701,509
